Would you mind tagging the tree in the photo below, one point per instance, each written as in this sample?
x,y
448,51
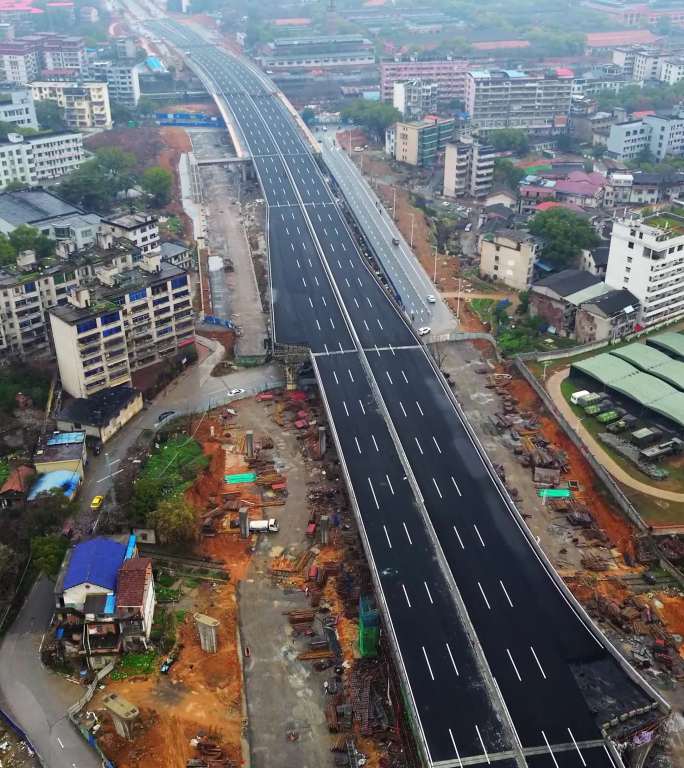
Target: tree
x,y
117,166
505,172
565,235
48,553
375,116
173,520
9,568
147,493
512,139
88,188
308,116
7,253
26,238
157,182
50,116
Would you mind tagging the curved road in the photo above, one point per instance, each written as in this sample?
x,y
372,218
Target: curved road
x,y
553,386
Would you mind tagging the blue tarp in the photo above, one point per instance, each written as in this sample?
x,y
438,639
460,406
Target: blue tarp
x,y
60,479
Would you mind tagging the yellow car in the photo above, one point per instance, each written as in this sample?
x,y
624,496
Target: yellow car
x,y
96,503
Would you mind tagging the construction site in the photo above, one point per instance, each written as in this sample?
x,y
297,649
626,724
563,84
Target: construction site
x,y
260,611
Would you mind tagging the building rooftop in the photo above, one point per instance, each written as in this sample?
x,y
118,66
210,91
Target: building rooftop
x,y
30,206
61,479
95,562
18,480
130,220
568,282
170,249
671,342
616,301
130,591
98,409
63,446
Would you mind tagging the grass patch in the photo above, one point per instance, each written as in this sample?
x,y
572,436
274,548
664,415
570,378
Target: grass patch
x,y
176,463
483,308
132,664
654,509
180,615
192,583
166,595
165,580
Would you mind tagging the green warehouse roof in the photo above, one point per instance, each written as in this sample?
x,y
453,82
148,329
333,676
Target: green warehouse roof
x,y
670,342
605,368
641,356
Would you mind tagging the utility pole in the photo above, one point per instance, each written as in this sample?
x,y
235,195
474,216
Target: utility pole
x,y
458,300
413,216
394,203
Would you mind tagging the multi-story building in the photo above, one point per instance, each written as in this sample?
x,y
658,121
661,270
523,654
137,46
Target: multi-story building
x,y
125,48
85,104
324,52
33,159
16,107
646,65
508,255
420,143
647,258
23,59
19,62
140,229
449,76
468,168
671,70
594,82
129,320
123,80
660,135
536,103
415,98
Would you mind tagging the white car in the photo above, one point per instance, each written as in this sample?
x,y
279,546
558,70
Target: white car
x,y
468,227
431,299
424,330
232,392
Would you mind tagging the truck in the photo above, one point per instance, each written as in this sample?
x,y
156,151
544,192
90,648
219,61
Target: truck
x,y
264,526
576,398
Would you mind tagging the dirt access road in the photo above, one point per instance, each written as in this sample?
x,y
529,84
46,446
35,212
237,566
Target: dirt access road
x,y
553,385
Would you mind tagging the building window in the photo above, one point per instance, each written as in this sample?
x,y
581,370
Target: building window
x,y
112,317
137,295
111,331
88,325
177,282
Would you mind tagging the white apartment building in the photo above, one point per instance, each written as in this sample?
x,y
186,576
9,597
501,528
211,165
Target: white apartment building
x,y
415,98
508,98
468,168
140,229
19,62
448,74
646,257
85,104
509,255
671,70
124,83
130,320
661,135
646,65
31,160
16,107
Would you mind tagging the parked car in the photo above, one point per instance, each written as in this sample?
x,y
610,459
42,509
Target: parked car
x,y
96,503
424,331
236,391
164,415
431,299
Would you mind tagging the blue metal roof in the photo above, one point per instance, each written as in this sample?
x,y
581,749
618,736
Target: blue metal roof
x,y
62,479
66,438
130,547
96,562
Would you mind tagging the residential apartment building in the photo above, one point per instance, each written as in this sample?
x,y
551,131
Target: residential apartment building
x,y
468,168
22,60
660,135
16,107
85,104
31,160
322,52
420,143
642,188
536,103
19,62
415,98
671,70
123,80
608,317
450,77
128,320
647,258
508,255
140,229
646,65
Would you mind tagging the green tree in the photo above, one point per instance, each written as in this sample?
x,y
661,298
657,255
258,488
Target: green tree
x,y
505,172
26,238
375,116
512,139
157,182
9,569
50,116
88,187
174,521
308,116
7,253
117,166
565,235
48,553
147,493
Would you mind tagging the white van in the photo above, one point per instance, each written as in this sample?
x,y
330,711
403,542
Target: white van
x,y
577,397
264,526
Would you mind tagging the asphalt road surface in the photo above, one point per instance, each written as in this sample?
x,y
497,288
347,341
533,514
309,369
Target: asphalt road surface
x,y
450,540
